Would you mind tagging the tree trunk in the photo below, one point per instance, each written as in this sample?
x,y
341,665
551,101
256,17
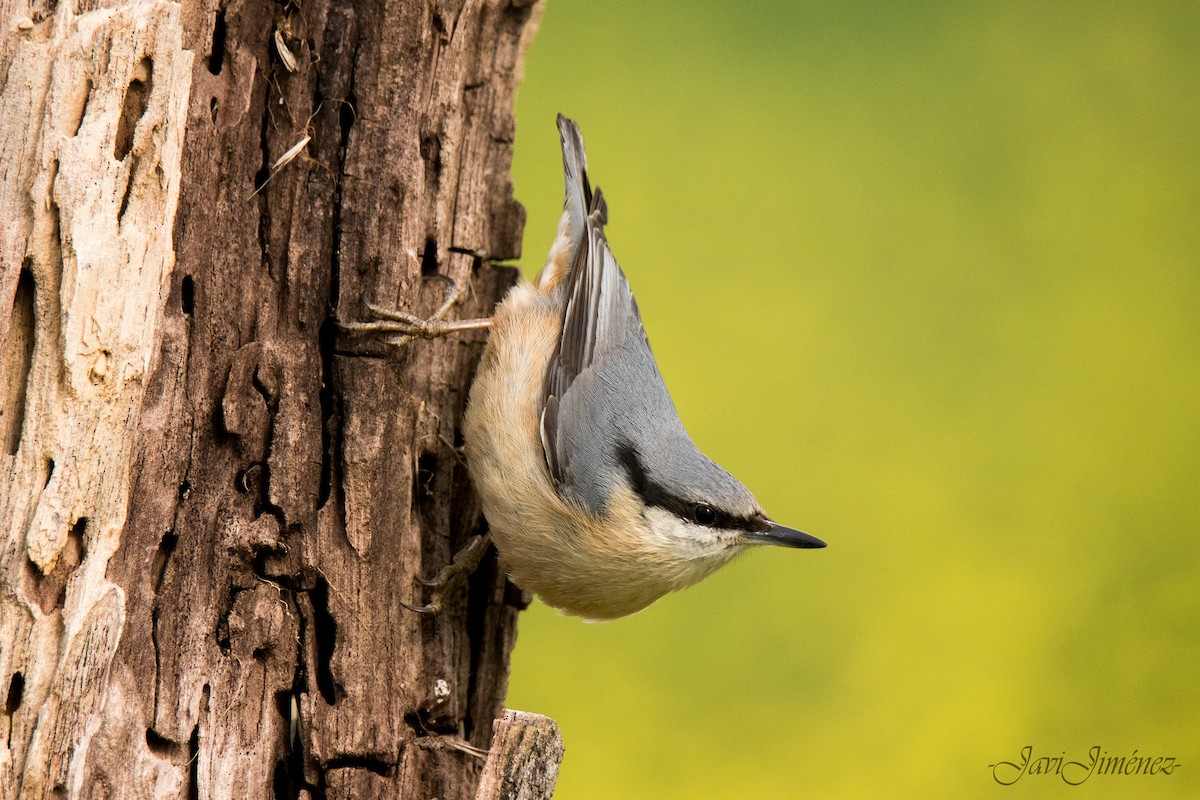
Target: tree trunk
x,y
216,502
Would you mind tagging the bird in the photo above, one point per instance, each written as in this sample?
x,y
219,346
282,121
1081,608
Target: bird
x,y
596,497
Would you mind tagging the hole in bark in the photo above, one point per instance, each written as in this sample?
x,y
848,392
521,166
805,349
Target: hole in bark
x,y
425,505
213,105
159,745
479,595
133,167
87,98
325,631
16,691
415,720
259,566
56,264
260,181
431,152
439,25
194,758
326,342
260,653
280,785
49,472
185,490
166,548
248,480
41,10
136,98
425,722
216,53
429,263
476,265
283,704
18,359
49,590
288,779
346,118
187,295
75,540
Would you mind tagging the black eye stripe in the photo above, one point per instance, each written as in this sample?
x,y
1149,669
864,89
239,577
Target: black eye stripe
x,y
654,494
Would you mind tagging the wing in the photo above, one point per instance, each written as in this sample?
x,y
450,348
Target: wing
x,y
605,407
600,314
602,384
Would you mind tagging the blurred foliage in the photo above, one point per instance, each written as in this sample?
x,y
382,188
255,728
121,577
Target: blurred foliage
x,y
926,277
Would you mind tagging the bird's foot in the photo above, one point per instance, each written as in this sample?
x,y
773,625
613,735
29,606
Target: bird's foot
x,y
401,327
453,575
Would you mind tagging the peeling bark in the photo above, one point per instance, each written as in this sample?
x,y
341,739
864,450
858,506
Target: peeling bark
x,y
215,502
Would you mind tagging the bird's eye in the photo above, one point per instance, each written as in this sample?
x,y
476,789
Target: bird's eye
x,y
704,514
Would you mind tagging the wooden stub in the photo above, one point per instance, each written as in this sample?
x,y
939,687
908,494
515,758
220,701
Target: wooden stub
x,y
523,761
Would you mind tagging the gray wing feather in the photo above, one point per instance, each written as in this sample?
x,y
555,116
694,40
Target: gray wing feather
x,y
603,392
600,318
599,311
578,201
586,214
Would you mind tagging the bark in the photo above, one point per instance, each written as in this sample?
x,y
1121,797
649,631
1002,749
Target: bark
x,y
215,501
523,763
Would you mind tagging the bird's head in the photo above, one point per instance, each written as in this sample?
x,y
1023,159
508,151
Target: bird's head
x,y
694,506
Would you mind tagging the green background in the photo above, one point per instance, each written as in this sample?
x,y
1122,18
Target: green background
x,y
926,278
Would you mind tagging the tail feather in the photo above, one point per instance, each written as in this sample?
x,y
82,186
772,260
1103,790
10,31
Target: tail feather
x,y
577,189
579,202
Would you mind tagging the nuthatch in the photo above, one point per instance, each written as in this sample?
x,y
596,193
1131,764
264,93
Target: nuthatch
x,y
596,497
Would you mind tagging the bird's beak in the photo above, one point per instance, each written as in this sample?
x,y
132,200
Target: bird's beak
x,y
783,536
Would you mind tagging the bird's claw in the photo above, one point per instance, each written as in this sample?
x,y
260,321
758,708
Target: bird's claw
x,y
410,326
432,608
452,576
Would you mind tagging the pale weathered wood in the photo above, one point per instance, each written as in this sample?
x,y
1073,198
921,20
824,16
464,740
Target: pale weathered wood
x,y
524,758
91,136
215,503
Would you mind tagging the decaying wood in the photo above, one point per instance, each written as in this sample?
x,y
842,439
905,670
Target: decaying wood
x,y
93,117
216,503
523,763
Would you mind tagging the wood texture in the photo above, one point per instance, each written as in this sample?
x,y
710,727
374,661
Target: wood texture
x,y
215,502
523,762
